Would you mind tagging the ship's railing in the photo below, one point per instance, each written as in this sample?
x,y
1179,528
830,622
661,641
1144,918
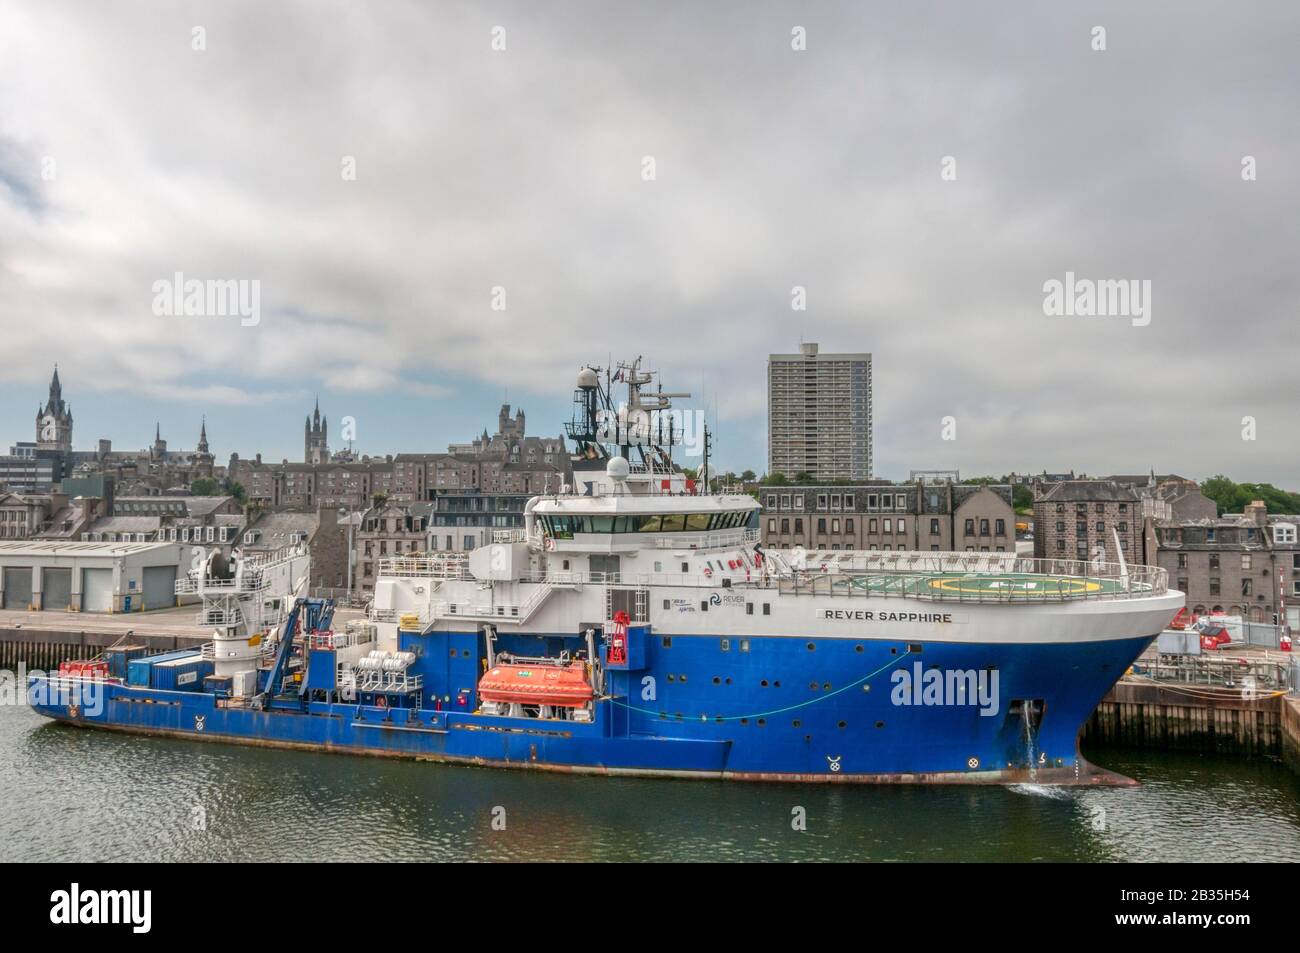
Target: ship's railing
x,y
247,582
396,615
330,641
219,615
444,565
965,577
510,612
389,682
517,535
719,540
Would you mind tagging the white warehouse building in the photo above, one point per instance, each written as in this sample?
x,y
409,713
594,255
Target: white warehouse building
x,y
89,577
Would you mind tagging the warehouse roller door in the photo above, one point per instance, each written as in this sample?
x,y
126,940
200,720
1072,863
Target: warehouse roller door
x,y
18,587
159,587
96,590
56,588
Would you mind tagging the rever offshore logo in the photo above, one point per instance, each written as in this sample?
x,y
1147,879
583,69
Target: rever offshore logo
x,y
99,907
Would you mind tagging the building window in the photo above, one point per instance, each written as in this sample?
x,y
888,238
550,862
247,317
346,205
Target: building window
x,y
1245,561
1000,528
1101,527
848,525
970,527
934,527
1214,560
798,525
1182,560
984,527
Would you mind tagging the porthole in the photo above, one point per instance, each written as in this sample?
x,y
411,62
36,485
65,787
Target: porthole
x,y
857,648
763,683
826,687
812,686
880,724
672,677
761,722
796,723
812,646
716,680
844,724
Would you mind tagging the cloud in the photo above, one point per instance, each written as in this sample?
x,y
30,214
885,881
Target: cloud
x,y
522,170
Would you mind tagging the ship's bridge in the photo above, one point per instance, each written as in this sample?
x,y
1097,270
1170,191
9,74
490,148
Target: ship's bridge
x,y
625,523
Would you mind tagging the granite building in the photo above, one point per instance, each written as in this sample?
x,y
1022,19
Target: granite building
x,y
1080,519
926,517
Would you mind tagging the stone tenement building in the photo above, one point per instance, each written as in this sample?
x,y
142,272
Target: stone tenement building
x,y
1078,519
1245,564
929,517
392,529
509,462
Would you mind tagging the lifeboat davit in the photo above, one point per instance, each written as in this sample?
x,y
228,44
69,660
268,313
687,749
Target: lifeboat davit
x,y
563,685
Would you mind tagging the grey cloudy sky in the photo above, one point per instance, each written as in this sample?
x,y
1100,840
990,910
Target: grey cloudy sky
x,y
775,168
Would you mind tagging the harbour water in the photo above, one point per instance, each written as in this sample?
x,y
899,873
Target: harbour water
x,y
72,794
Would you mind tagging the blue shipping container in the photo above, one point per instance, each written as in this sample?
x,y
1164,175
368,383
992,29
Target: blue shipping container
x,y
118,658
182,675
140,670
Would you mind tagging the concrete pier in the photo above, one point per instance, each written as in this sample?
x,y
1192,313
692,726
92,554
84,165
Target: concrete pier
x,y
1182,717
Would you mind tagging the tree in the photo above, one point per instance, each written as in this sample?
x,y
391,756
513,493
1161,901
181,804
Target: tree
x,y
776,479
803,476
1230,497
749,476
204,486
237,490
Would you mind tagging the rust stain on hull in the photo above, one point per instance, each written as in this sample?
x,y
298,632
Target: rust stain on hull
x,y
1088,775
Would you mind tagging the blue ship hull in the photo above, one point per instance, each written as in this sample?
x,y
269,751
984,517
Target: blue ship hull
x,y
759,708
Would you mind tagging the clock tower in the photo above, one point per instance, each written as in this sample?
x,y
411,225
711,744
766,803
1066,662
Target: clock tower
x,y
54,420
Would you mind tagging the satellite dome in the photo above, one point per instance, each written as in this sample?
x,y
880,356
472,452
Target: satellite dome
x,y
617,469
587,379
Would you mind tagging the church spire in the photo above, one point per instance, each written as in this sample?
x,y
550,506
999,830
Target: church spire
x,y
203,435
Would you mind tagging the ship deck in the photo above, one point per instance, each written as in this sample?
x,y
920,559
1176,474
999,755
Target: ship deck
x,y
986,586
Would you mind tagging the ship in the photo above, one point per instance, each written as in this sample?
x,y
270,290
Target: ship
x,y
635,625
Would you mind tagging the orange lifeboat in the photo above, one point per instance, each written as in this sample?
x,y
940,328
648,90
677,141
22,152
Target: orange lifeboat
x,y
563,685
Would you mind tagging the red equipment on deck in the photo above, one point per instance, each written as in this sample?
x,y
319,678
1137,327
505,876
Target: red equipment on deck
x,y
617,654
520,684
83,669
